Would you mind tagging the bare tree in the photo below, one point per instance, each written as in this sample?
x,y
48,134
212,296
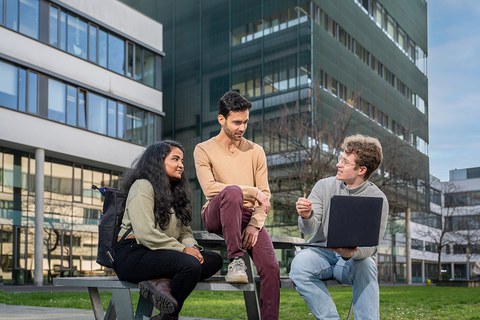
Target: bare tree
x,y
301,150
444,235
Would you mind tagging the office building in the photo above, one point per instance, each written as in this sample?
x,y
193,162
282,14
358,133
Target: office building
x,y
80,97
337,67
453,229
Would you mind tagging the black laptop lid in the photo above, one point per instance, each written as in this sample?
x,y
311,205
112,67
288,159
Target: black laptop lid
x,y
354,221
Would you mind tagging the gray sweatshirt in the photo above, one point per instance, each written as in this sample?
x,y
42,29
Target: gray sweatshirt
x,y
316,226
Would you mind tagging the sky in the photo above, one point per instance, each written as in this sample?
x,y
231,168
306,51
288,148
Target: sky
x,y
454,85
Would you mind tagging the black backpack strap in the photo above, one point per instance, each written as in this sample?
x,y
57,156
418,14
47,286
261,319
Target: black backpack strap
x,y
126,234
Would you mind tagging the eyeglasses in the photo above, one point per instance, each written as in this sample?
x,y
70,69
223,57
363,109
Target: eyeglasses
x,y
344,162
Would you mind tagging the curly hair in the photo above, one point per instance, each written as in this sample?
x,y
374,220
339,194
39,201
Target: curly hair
x,y
167,194
232,101
367,149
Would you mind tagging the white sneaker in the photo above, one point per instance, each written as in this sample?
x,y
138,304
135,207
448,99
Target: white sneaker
x,y
236,272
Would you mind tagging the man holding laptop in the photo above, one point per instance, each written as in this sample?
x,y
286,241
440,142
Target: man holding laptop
x,y
350,264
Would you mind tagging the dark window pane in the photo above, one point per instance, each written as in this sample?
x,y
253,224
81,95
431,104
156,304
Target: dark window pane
x,y
130,57
138,62
148,68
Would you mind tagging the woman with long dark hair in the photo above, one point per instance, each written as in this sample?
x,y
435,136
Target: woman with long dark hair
x,y
159,252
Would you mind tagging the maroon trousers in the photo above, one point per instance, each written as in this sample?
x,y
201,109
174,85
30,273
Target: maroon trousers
x,y
226,215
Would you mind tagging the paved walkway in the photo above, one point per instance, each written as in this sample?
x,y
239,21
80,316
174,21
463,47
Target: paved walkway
x,y
14,312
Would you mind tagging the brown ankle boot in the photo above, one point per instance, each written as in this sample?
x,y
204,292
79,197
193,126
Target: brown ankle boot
x,y
159,293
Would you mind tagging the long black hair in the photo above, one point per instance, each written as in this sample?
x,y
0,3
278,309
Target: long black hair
x,y
168,194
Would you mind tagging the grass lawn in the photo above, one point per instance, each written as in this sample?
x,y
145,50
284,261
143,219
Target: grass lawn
x,y
396,302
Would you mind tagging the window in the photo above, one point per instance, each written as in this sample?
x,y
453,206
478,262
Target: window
x,y
56,100
11,8
22,90
71,105
116,54
102,48
2,3
97,113
77,41
92,43
29,17
121,121
148,70
82,109
8,85
32,92
112,118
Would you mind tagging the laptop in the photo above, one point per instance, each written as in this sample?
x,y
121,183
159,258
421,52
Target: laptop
x,y
354,222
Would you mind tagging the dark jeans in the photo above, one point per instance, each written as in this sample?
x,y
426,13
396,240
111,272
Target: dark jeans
x,y
226,215
136,263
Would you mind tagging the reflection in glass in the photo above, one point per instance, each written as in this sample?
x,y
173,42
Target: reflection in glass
x,y
102,48
12,14
22,89
29,16
8,85
53,27
32,99
116,54
97,113
71,105
92,43
112,118
82,109
77,42
56,100
148,68
121,121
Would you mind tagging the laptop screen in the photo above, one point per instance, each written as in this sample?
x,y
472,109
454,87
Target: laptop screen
x,y
354,221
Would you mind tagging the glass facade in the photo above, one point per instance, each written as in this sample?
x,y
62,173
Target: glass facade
x,y
71,213
82,38
71,208
75,106
322,68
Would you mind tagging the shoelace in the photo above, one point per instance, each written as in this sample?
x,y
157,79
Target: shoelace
x,y
238,265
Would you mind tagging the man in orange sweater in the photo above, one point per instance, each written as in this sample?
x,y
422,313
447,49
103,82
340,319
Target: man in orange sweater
x,y
232,172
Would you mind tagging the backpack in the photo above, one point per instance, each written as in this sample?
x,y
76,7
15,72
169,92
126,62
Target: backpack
x,y
109,225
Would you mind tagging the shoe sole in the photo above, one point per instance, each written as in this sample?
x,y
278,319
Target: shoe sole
x,y
161,302
236,279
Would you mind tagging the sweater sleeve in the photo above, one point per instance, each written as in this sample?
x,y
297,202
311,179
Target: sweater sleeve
x,y
140,204
261,181
312,225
